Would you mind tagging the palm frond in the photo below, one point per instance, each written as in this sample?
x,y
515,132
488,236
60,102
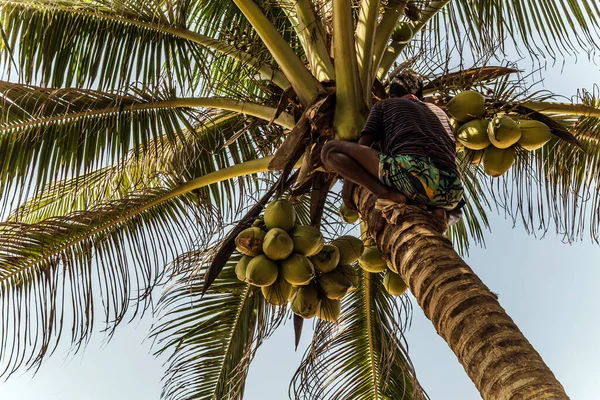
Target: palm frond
x,y
53,272
212,337
362,356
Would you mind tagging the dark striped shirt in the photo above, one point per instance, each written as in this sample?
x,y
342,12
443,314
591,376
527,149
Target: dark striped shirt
x,y
411,127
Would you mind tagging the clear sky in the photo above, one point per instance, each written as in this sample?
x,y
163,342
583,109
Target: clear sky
x,y
550,289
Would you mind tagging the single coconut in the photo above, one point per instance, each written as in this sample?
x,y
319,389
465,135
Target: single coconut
x,y
308,240
277,293
350,248
277,245
280,214
297,269
249,241
327,259
261,271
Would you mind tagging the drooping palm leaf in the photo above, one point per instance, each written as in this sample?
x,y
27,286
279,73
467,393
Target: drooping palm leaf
x,y
212,337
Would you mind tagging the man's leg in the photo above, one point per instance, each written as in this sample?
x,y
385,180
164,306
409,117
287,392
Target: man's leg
x,y
358,164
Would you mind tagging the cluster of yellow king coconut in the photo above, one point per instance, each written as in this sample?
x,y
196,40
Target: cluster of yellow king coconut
x,y
291,262
492,141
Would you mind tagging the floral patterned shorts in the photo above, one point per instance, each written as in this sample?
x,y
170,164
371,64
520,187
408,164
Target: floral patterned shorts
x,y
421,181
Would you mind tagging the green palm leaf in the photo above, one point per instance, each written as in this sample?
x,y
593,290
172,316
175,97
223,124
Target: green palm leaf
x,y
362,356
213,337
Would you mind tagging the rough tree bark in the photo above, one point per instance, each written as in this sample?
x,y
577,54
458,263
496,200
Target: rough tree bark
x,y
497,357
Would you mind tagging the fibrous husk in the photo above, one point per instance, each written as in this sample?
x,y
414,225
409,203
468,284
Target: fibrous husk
x,y
327,259
473,156
394,284
297,269
403,33
278,293
277,245
534,134
335,284
466,106
249,241
280,214
474,134
308,240
306,301
347,215
351,275
497,161
503,132
371,260
261,271
241,267
350,248
330,310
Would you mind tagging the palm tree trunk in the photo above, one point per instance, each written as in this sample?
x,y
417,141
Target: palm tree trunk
x,y
497,357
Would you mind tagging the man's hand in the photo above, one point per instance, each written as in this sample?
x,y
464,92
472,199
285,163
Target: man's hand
x,y
347,190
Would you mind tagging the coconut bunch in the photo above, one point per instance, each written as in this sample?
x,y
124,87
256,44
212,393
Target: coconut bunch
x,y
291,262
492,142
372,261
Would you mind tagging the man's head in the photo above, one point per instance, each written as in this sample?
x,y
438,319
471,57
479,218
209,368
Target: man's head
x,y
406,82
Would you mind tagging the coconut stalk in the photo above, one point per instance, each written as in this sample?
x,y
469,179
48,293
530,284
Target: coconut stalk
x,y
495,354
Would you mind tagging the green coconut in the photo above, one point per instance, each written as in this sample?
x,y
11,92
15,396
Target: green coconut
x,y
327,259
371,260
335,284
497,161
473,156
277,245
394,284
351,275
277,293
466,106
241,267
348,215
350,248
261,271
503,131
403,33
249,241
474,134
308,240
534,134
280,214
297,269
306,301
329,310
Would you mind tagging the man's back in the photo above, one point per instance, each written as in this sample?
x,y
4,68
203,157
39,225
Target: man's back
x,y
412,127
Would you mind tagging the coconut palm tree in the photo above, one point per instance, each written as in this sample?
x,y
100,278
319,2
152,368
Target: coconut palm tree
x,y
139,136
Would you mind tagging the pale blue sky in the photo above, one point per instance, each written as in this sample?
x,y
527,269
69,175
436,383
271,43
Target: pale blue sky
x,y
547,287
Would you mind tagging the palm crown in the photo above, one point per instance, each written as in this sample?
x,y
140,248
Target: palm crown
x,y
135,133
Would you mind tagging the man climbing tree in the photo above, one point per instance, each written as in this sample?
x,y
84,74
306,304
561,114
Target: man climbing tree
x,y
416,163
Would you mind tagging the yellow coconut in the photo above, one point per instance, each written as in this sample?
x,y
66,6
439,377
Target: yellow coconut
x,y
241,267
308,240
473,156
403,33
327,259
351,275
277,245
261,271
277,293
306,301
474,134
297,269
534,134
371,260
394,284
249,241
293,292
455,124
350,247
466,106
503,131
497,161
329,310
335,284
280,214
348,215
